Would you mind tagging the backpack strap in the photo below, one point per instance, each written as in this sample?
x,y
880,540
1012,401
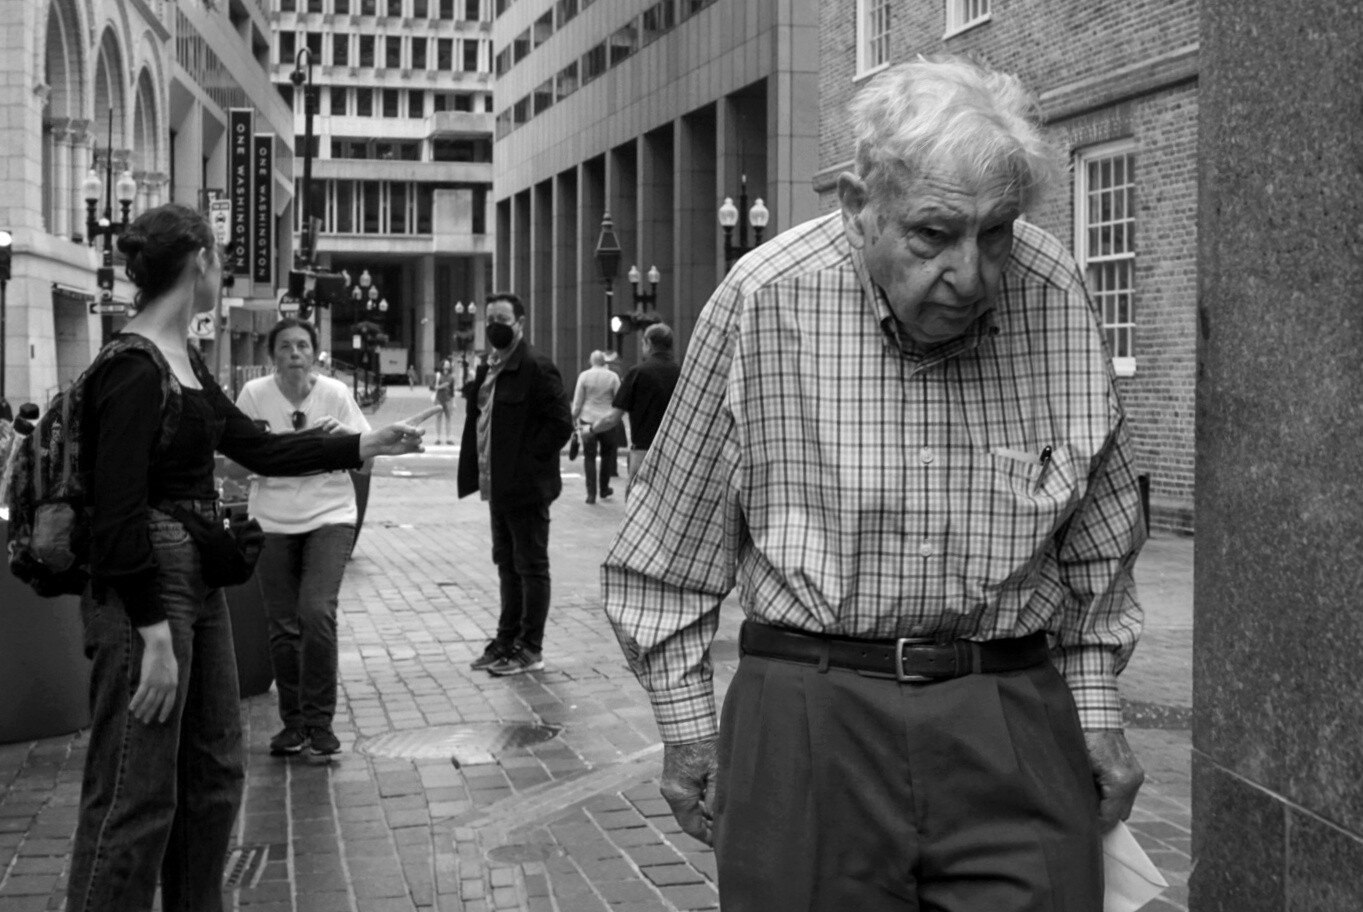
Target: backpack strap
x,y
171,397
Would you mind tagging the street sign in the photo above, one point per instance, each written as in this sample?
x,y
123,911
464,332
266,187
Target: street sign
x,y
110,309
201,327
220,216
289,305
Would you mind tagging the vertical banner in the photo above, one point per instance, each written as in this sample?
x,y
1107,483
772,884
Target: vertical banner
x,y
240,122
262,228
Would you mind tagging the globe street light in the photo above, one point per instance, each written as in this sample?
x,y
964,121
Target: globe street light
x,y
741,216
92,188
645,303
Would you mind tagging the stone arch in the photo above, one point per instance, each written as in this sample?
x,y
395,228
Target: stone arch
x,y
63,70
146,126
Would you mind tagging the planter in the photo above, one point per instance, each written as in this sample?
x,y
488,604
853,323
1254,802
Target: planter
x,y
44,675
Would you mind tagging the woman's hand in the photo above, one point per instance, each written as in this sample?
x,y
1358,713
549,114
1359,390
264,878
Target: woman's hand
x,y
393,440
160,677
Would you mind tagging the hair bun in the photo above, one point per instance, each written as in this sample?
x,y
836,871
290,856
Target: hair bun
x,y
131,241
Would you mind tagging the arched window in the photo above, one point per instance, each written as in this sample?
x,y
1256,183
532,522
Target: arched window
x,y
62,68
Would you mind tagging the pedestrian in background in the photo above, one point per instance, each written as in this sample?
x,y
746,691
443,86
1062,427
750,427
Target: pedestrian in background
x,y
516,423
443,396
932,543
309,523
617,434
644,395
164,764
596,387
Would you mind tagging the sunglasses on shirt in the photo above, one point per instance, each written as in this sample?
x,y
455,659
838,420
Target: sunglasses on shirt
x,y
299,420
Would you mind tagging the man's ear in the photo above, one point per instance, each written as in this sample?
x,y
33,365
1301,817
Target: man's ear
x,y
853,196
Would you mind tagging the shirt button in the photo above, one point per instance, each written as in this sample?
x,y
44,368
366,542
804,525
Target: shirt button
x,y
925,548
927,455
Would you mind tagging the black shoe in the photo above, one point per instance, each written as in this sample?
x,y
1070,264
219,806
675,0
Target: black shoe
x,y
607,492
323,744
290,741
493,653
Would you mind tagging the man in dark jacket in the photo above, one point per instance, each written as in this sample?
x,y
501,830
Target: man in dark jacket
x,y
517,421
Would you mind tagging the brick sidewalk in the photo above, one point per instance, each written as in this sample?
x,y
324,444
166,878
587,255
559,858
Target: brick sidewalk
x,y
572,823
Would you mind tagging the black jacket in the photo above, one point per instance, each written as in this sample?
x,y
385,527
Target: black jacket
x,y
531,421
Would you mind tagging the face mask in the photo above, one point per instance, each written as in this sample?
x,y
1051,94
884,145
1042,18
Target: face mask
x,y
499,335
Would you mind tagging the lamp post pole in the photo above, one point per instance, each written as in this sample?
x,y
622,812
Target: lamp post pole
x,y
608,262
302,77
6,246
92,188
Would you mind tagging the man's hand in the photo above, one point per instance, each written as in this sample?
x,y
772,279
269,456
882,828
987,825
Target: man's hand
x,y
1116,772
159,678
393,440
688,784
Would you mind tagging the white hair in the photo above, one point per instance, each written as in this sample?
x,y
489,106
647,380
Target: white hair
x,y
916,117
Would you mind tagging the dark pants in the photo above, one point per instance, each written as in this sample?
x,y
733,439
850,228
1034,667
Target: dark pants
x,y
520,549
159,799
604,446
839,791
300,578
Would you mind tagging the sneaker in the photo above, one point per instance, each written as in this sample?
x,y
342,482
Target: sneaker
x,y
492,654
290,741
323,744
519,662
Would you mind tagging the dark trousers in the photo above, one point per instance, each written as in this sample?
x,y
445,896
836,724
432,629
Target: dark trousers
x,y
840,791
158,801
520,549
300,579
602,445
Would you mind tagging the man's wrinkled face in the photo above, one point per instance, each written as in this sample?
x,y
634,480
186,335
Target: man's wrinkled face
x,y
936,248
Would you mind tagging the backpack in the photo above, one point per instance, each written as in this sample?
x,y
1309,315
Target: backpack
x,y
49,518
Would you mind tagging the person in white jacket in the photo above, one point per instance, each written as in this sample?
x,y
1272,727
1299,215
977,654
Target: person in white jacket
x,y
309,524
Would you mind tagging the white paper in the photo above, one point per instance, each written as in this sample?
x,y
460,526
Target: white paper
x,y
1130,878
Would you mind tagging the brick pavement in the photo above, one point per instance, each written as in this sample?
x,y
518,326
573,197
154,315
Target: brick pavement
x,y
573,823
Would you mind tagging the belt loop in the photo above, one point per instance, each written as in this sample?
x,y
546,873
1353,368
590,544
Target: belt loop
x,y
823,658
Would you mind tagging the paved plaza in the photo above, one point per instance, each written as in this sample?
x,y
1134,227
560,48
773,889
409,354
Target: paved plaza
x,y
459,791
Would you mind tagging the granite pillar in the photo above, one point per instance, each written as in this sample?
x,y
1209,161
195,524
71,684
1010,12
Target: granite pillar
x,y
1277,693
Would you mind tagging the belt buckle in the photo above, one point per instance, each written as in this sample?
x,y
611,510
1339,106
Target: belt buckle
x,y
899,645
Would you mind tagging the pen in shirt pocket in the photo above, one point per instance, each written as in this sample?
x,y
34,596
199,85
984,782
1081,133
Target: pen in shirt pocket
x,y
1045,461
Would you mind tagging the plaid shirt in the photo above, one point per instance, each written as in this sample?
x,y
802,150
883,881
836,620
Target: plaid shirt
x,y
851,484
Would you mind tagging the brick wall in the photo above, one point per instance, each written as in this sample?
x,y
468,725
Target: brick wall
x,y
1104,71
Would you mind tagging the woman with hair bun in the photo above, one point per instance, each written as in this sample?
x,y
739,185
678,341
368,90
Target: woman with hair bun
x,y
165,762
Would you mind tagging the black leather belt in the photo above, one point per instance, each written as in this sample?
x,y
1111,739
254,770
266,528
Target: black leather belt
x,y
905,659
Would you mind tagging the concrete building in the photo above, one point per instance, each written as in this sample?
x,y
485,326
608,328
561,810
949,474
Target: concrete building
x,y
403,159
653,111
1118,85
148,82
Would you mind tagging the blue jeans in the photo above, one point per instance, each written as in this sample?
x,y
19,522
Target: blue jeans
x,y
520,549
300,577
159,799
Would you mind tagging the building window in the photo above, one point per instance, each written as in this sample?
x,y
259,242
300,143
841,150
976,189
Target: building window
x,y
520,111
369,7
502,63
342,7
1105,243
567,80
416,104
288,47
364,102
564,10
339,107
659,19
393,53
594,63
366,50
624,42
397,208
873,36
345,207
473,10
340,49
444,54
418,53
544,96
463,101
543,27
964,14
520,47
371,195
314,47
392,103
287,6
423,210
421,9
470,56
447,9
314,6
395,8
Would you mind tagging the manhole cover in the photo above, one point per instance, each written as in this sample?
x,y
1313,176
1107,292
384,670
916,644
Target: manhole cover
x,y
466,745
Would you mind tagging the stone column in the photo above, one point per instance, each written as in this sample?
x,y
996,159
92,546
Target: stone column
x,y
1277,692
424,356
78,163
62,191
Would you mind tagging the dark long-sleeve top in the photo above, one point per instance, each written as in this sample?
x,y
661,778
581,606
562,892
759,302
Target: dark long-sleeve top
x,y
121,431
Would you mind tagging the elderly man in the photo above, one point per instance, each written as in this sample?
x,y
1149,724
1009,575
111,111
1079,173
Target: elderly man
x,y
932,543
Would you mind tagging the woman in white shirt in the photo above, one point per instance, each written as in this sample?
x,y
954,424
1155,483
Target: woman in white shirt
x,y
309,524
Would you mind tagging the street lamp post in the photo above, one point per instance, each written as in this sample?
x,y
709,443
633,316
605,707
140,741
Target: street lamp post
x,y
92,188
6,249
608,262
366,296
645,312
741,216
464,321
302,77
